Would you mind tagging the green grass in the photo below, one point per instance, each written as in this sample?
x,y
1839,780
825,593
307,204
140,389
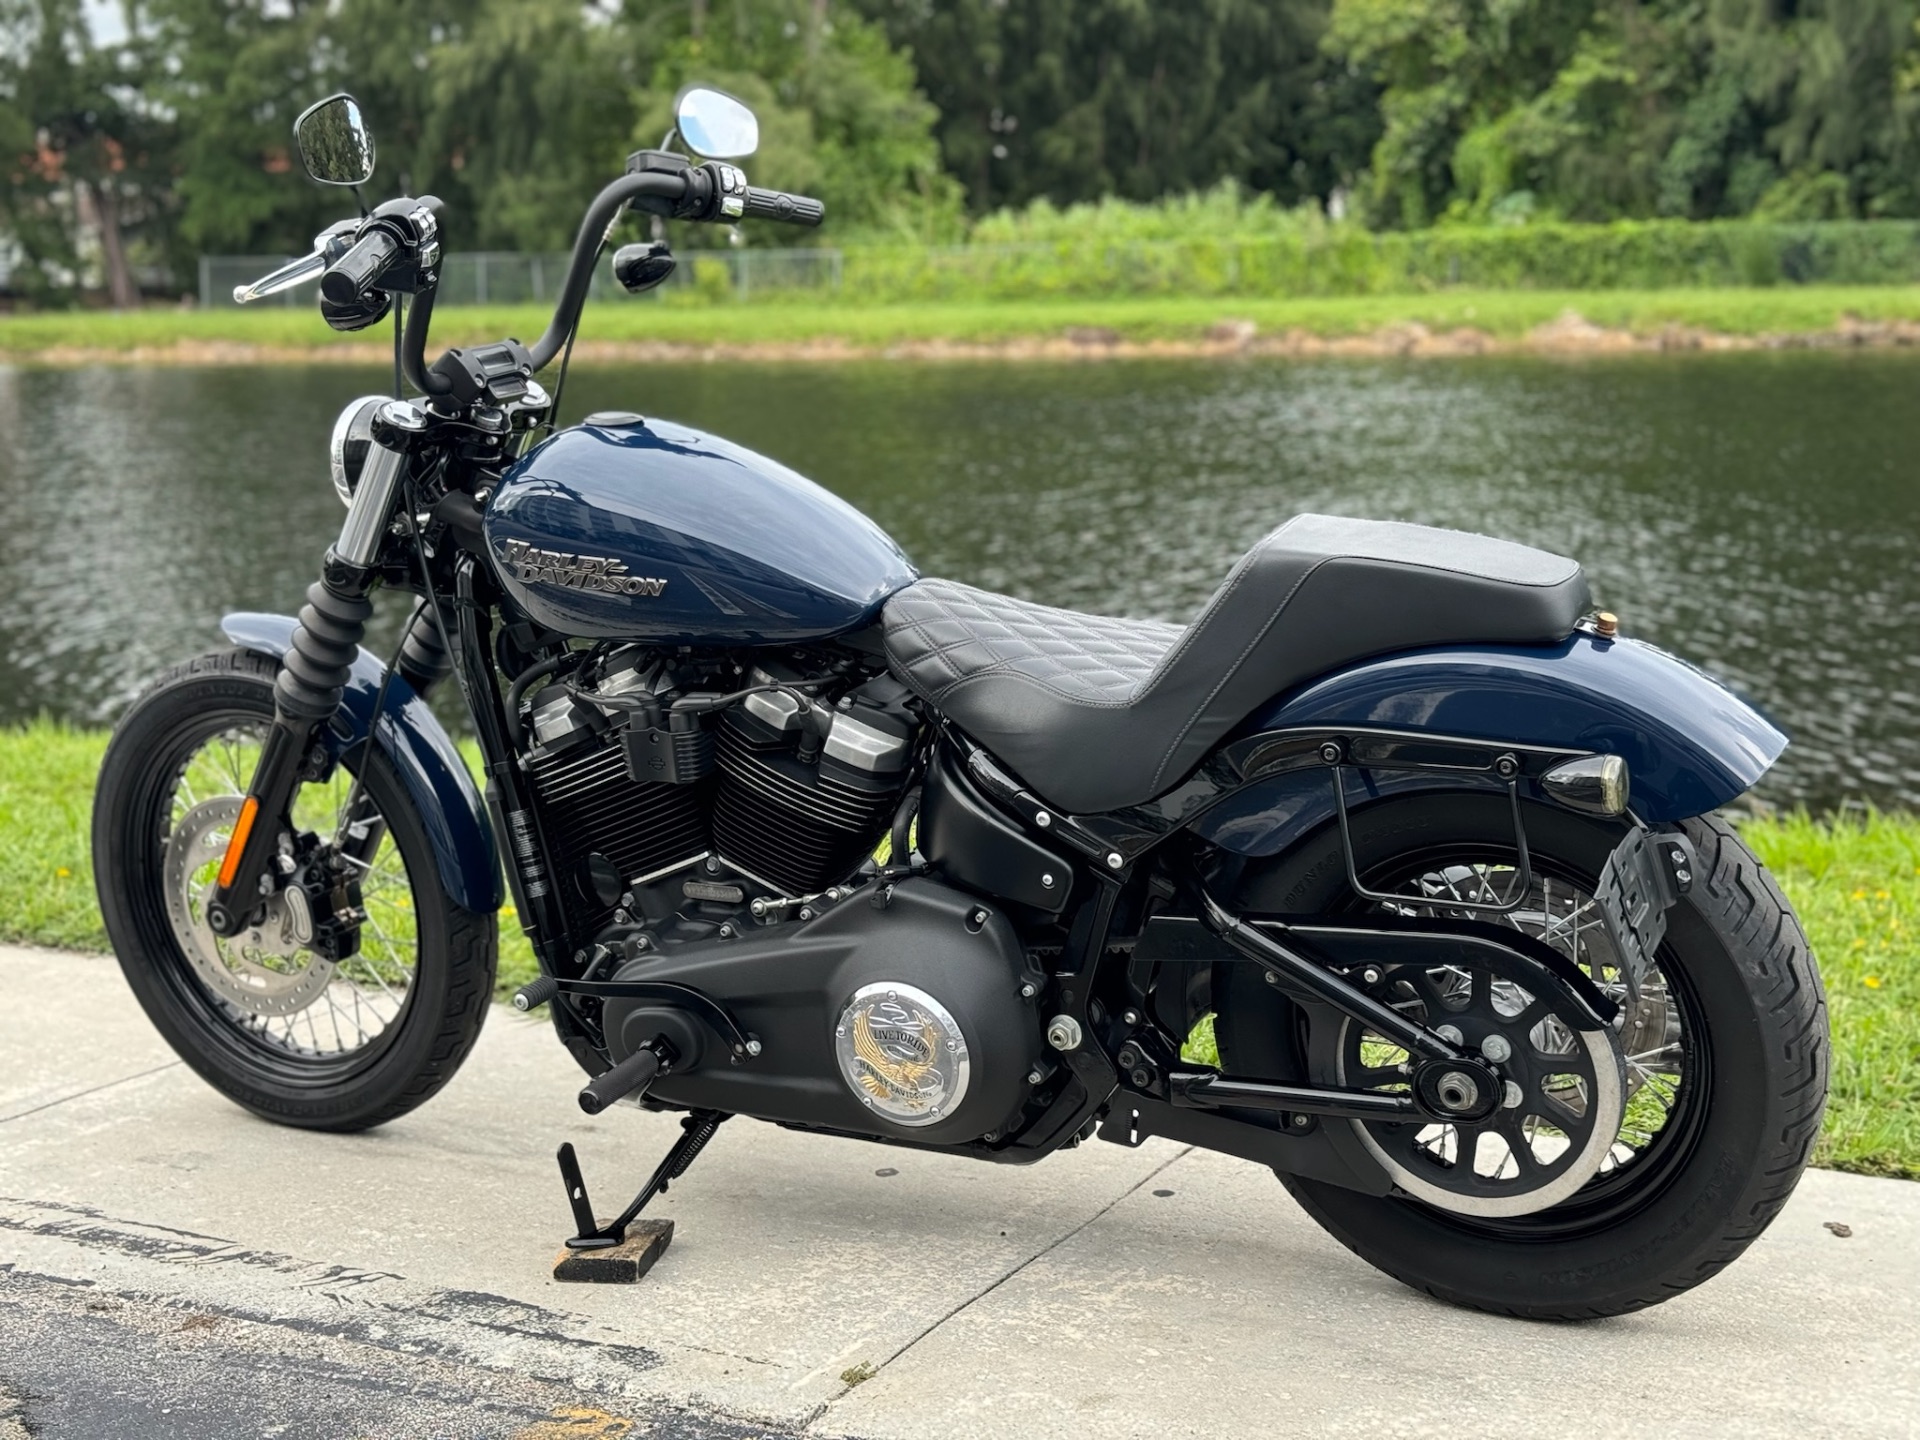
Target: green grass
x,y
1779,310
1854,880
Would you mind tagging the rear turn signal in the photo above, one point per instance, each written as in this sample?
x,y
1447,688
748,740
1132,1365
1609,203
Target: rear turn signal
x,y
1596,784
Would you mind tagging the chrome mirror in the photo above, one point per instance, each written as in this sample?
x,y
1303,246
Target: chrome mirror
x,y
335,144
716,125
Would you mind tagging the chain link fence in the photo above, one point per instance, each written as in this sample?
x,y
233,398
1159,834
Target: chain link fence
x,y
493,277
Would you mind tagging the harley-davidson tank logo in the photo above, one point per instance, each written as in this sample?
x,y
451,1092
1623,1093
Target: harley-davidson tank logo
x,y
601,573
902,1052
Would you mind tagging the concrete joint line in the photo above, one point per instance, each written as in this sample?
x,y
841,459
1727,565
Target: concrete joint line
x,y
819,1412
90,1090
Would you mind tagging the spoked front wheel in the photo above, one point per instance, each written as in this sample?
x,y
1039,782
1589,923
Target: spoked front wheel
x,y
1617,1168
265,1016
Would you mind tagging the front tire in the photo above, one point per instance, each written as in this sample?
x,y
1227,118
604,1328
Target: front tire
x,y
294,1041
1710,1178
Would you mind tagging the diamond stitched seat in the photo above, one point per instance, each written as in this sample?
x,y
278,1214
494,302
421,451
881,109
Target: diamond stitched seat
x,y
1097,713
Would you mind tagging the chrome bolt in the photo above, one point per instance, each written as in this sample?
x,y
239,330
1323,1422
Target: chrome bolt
x,y
713,865
1330,752
627,899
1496,1048
1512,1097
1272,979
1043,819
579,957
1451,1034
806,912
1046,881
759,908
1371,975
1506,767
1114,861
1132,1017
1064,1033
726,931
1036,1075
1029,990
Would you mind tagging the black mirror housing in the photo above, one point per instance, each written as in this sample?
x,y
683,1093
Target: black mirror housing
x,y
335,144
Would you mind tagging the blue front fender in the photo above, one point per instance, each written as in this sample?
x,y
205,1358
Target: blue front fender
x,y
423,756
1690,744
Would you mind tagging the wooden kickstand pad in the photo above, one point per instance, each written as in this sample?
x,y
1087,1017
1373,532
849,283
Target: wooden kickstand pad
x,y
621,1264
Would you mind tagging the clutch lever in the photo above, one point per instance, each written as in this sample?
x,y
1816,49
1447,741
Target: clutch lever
x,y
328,246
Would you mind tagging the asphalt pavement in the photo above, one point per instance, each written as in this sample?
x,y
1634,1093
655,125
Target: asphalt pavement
x,y
171,1266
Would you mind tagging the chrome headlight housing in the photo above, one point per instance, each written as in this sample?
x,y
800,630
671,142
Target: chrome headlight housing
x,y
352,438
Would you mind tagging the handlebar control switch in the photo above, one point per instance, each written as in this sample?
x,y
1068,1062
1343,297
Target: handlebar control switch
x,y
640,267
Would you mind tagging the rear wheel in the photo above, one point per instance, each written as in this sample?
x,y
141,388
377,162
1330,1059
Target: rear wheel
x,y
1572,1200
278,1028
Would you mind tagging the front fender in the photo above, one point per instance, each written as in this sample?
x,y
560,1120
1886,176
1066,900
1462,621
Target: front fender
x,y
422,754
1690,744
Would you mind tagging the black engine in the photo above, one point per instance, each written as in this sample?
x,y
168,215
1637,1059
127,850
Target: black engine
x,y
662,782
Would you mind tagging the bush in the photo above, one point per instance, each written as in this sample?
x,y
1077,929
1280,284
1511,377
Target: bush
x,y
1218,245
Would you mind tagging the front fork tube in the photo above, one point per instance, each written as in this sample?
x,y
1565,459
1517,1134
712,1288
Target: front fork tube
x,y
313,675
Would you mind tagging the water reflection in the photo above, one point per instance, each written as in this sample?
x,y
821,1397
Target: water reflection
x,y
1749,512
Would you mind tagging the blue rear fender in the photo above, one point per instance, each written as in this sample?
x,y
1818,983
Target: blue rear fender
x,y
1691,745
422,753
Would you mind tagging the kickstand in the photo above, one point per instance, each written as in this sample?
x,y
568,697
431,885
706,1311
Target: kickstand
x,y
695,1131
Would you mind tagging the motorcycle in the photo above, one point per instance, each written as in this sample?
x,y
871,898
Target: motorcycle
x,y
1397,871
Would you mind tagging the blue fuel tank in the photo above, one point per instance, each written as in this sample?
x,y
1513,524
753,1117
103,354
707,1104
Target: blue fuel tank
x,y
624,528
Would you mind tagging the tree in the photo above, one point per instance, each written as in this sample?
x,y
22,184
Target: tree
x,y
840,115
86,156
1075,99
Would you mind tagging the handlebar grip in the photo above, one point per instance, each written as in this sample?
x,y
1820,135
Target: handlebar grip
x,y
779,205
355,272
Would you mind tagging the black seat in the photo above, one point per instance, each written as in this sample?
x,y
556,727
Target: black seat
x,y
1097,713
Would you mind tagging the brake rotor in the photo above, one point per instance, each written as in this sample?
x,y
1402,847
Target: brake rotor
x,y
1562,1088
263,970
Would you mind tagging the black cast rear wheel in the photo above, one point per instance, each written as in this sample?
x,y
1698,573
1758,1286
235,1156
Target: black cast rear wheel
x,y
1724,1050
291,1036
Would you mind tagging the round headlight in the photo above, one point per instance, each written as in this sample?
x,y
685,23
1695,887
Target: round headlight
x,y
352,435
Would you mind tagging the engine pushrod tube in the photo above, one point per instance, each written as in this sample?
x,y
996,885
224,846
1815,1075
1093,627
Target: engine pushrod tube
x,y
1204,1090
1303,971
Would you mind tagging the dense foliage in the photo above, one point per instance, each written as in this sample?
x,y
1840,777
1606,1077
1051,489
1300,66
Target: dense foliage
x,y
932,120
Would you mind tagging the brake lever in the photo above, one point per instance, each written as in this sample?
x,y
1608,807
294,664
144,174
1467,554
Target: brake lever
x,y
328,246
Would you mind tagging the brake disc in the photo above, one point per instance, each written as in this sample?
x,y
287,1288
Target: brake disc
x,y
263,970
1563,1088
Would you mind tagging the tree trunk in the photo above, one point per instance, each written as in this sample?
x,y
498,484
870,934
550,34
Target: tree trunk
x,y
121,290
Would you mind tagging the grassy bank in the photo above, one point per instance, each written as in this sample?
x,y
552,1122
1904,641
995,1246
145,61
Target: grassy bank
x,y
1500,317
1855,882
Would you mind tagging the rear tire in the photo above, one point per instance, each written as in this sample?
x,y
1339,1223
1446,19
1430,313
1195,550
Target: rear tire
x,y
1705,1187
431,1027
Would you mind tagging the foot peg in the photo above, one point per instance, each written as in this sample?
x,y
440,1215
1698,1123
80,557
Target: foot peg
x,y
631,1076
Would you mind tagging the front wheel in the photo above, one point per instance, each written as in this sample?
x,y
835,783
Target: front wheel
x,y
291,1035
1721,1070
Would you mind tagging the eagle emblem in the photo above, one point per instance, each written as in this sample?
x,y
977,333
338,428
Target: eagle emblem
x,y
903,1053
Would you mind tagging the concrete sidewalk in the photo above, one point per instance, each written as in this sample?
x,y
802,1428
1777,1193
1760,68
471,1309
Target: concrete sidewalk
x,y
170,1265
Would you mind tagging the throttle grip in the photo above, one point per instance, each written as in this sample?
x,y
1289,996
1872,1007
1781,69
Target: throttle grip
x,y
779,205
355,272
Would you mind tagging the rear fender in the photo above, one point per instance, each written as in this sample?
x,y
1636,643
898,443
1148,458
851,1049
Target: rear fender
x,y
1690,744
422,753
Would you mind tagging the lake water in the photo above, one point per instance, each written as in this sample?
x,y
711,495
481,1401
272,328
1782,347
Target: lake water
x,y
1757,514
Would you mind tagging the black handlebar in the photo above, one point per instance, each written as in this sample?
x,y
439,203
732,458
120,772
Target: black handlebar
x,y
779,205
354,273
693,193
